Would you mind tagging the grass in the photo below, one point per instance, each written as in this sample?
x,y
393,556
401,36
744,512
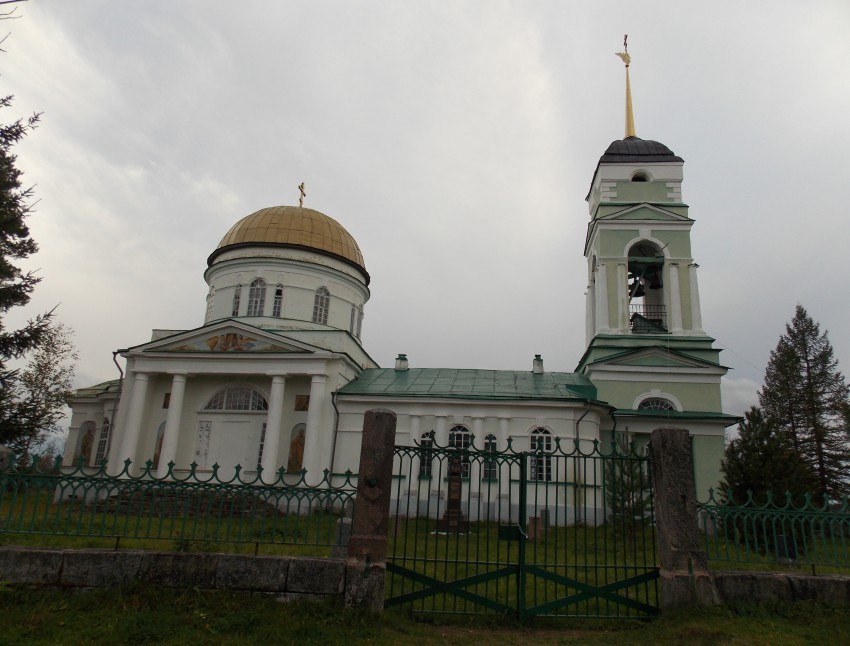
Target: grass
x,y
145,615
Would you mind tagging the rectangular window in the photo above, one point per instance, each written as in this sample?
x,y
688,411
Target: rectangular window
x,y
102,443
262,445
425,456
202,443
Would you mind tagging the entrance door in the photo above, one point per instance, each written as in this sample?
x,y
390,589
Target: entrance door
x,y
235,441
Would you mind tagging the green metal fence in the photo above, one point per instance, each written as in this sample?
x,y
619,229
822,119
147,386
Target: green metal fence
x,y
777,534
563,530
181,507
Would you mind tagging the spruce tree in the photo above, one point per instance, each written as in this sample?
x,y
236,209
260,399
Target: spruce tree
x,y
761,462
805,395
16,285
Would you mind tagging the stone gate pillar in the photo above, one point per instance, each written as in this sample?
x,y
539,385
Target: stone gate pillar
x,y
367,548
685,578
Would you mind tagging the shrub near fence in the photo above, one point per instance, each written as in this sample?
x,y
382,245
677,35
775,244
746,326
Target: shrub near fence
x,y
182,507
778,532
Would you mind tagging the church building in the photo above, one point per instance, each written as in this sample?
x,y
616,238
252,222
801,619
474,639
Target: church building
x,y
277,376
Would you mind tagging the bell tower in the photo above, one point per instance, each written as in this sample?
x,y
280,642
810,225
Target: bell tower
x,y
647,352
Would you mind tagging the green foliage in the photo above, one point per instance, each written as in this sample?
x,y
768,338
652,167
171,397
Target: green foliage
x,y
16,286
33,402
806,396
762,460
627,491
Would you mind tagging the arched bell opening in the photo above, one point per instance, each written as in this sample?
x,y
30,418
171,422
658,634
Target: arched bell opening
x,y
647,309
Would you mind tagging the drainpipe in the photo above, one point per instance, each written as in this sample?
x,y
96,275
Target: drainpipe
x,y
578,421
333,441
117,401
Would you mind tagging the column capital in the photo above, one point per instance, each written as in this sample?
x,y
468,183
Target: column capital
x,y
693,264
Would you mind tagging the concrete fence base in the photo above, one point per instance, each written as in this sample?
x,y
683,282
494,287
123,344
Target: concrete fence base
x,y
287,577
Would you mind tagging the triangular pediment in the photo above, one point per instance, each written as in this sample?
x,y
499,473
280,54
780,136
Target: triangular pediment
x,y
645,212
653,358
226,337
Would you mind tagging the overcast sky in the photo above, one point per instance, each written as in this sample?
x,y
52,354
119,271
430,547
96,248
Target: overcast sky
x,y
455,141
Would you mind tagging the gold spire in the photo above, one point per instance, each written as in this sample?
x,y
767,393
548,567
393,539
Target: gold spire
x,y
630,117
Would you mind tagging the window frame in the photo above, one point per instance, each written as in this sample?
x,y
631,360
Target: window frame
x,y
256,297
321,305
540,466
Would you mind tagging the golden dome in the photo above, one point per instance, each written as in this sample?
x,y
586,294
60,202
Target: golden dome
x,y
293,226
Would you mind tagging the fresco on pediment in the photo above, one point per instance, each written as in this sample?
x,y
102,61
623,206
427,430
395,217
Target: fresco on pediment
x,y
229,342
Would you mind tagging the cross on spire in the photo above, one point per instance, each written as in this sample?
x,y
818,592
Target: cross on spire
x,y
627,59
303,192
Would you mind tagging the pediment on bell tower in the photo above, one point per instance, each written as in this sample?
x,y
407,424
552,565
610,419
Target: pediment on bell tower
x,y
652,360
641,212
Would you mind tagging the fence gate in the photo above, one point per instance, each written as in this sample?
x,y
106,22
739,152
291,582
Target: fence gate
x,y
557,531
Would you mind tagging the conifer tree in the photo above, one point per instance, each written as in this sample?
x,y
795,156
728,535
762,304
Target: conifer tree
x,y
16,286
805,395
763,461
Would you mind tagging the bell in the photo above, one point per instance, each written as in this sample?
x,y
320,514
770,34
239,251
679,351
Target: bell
x,y
637,290
655,281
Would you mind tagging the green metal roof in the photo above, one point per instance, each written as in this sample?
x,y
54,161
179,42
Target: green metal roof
x,y
471,384
98,389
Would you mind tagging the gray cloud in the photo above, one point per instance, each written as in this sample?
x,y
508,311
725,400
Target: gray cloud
x,y
456,142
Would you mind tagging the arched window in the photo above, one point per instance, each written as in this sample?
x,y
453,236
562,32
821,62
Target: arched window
x,y
237,398
278,301
647,312
461,438
237,296
541,461
656,403
256,297
491,466
359,321
102,442
321,305
210,303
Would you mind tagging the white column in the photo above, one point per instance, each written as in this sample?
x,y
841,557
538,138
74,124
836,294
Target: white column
x,y
172,425
601,293
588,315
478,431
441,433
313,440
622,298
675,300
502,440
415,429
271,446
133,427
696,313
